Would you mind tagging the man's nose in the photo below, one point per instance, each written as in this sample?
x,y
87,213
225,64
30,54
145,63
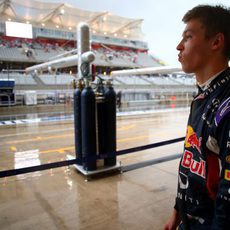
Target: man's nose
x,y
180,46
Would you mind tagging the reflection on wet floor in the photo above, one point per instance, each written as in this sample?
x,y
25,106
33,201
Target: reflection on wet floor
x,y
53,141
68,114
35,115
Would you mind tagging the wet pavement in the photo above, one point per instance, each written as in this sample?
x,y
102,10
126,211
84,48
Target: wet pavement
x,y
60,198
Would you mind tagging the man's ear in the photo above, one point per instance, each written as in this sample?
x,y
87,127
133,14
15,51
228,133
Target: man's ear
x,y
218,41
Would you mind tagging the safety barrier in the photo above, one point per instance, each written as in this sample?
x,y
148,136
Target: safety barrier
x,y
14,172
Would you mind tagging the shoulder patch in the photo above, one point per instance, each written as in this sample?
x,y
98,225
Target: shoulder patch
x,y
223,110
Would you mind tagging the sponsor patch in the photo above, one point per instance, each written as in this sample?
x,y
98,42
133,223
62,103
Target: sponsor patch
x,y
227,159
227,174
223,110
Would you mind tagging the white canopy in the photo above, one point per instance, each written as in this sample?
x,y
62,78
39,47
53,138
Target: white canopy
x,y
67,17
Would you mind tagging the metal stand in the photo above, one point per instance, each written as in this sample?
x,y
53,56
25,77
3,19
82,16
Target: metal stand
x,y
100,170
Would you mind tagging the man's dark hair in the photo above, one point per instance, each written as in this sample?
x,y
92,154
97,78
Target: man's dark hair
x,y
215,19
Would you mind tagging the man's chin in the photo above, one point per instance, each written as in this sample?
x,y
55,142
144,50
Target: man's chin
x,y
186,69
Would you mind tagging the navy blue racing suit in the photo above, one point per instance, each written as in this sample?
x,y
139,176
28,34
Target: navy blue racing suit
x,y
203,194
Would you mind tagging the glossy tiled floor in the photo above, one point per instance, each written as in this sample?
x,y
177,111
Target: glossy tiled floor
x,y
61,198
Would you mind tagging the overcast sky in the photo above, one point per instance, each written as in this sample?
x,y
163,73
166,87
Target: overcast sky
x,y
162,25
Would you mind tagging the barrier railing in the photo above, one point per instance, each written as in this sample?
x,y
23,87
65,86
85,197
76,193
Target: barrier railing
x,y
14,172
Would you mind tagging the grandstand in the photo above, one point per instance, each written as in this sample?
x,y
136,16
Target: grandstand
x,y
117,42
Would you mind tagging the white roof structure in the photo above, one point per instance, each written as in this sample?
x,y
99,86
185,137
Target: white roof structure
x,y
66,17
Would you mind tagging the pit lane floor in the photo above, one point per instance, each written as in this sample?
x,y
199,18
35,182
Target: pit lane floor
x,y
60,198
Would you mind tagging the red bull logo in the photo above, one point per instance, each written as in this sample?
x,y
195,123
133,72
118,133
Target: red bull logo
x,y
191,139
196,167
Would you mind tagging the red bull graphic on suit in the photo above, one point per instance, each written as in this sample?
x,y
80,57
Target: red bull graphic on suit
x,y
195,166
191,139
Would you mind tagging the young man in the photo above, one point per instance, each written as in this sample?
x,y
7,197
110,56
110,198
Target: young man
x,y
203,194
